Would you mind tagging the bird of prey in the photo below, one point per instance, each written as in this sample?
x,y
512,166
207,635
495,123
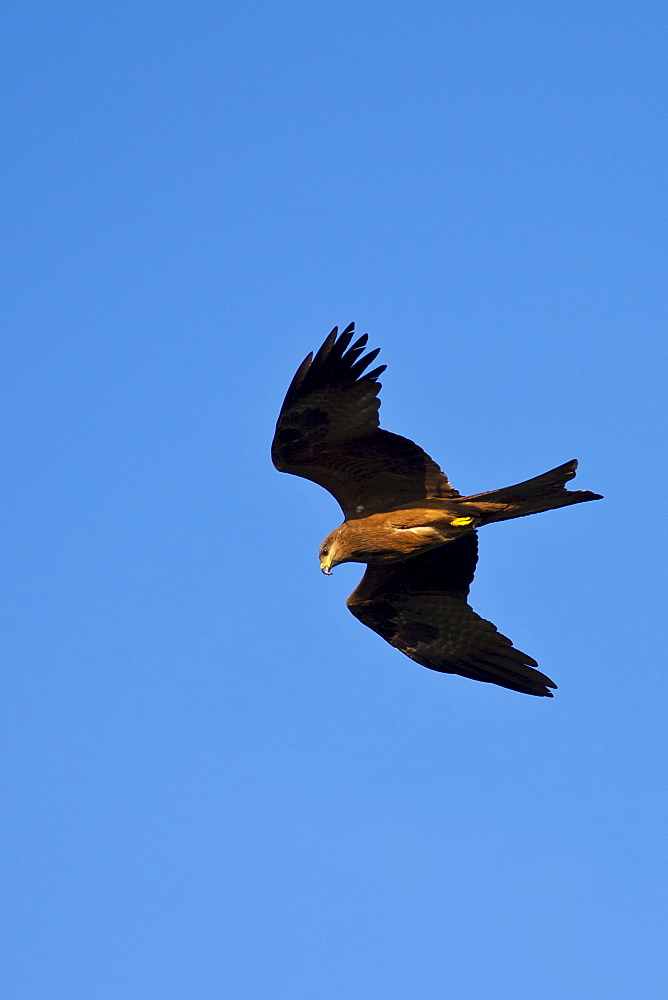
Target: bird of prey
x,y
403,519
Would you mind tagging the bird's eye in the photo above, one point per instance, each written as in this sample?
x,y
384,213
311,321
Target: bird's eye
x,y
325,552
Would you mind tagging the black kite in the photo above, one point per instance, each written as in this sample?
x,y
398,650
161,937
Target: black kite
x,y
404,520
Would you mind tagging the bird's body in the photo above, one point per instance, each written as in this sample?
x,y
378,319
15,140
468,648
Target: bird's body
x,y
404,520
392,536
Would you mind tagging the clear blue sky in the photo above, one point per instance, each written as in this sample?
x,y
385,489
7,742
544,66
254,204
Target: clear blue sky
x,y
217,782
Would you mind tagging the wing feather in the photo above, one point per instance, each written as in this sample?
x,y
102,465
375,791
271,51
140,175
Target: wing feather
x,y
328,431
419,606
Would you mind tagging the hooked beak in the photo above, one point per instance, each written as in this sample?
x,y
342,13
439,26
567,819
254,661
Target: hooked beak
x,y
326,565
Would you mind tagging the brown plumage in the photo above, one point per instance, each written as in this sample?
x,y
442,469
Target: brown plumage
x,y
403,519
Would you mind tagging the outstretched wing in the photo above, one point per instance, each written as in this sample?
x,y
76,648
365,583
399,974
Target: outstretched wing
x,y
328,431
419,606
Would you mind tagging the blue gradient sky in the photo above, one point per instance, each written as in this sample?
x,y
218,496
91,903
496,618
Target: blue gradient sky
x,y
217,782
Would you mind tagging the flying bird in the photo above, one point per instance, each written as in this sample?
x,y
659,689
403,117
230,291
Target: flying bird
x,y
402,518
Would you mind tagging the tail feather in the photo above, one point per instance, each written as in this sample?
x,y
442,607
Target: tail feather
x,y
533,496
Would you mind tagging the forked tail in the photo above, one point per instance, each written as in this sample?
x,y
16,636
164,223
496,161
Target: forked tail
x,y
545,492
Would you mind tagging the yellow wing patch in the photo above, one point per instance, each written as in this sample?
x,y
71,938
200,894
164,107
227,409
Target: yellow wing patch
x,y
461,522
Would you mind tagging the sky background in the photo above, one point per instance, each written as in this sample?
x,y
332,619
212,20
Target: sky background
x,y
217,783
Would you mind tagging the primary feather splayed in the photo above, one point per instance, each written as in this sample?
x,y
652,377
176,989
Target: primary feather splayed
x,y
403,519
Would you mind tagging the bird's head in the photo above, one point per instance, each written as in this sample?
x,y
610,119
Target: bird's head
x,y
344,544
353,542
331,552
